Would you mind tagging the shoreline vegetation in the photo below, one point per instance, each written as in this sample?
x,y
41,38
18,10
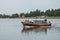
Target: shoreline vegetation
x,y
49,14
34,18
42,17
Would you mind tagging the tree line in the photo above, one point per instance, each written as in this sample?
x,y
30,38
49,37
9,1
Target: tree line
x,y
50,13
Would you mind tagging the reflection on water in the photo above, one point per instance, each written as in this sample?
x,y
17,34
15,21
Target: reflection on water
x,y
36,29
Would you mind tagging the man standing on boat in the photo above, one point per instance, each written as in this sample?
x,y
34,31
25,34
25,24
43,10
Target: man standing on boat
x,y
45,20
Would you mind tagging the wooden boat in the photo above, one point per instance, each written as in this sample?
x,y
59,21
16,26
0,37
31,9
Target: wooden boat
x,y
36,23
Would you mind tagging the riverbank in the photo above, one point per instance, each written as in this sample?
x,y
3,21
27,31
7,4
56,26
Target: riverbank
x,y
43,17
52,17
34,18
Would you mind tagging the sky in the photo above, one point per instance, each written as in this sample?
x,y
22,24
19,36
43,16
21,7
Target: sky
x,y
20,6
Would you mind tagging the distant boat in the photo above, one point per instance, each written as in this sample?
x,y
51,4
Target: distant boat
x,y
36,23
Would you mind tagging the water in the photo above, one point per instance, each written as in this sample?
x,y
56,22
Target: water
x,y
10,29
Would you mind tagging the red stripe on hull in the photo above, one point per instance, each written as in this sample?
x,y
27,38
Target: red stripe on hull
x,y
34,24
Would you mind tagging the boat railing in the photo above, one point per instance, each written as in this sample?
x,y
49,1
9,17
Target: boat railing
x,y
41,22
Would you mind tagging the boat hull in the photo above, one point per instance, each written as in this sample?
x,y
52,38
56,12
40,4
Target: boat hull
x,y
35,24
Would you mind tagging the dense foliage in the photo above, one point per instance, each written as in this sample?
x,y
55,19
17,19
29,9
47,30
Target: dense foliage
x,y
52,12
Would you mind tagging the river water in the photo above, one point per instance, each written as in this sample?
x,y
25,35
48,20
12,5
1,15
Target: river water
x,y
11,29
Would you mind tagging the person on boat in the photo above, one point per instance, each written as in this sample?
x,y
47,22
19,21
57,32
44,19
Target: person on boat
x,y
45,21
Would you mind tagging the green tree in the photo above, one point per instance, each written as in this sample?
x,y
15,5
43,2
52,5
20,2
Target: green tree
x,y
0,15
15,15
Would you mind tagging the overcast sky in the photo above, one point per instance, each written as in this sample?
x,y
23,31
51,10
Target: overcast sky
x,y
19,6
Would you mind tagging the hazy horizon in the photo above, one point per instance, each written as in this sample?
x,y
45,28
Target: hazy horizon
x,y
20,6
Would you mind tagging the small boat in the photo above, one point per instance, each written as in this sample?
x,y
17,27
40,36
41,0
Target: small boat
x,y
36,23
